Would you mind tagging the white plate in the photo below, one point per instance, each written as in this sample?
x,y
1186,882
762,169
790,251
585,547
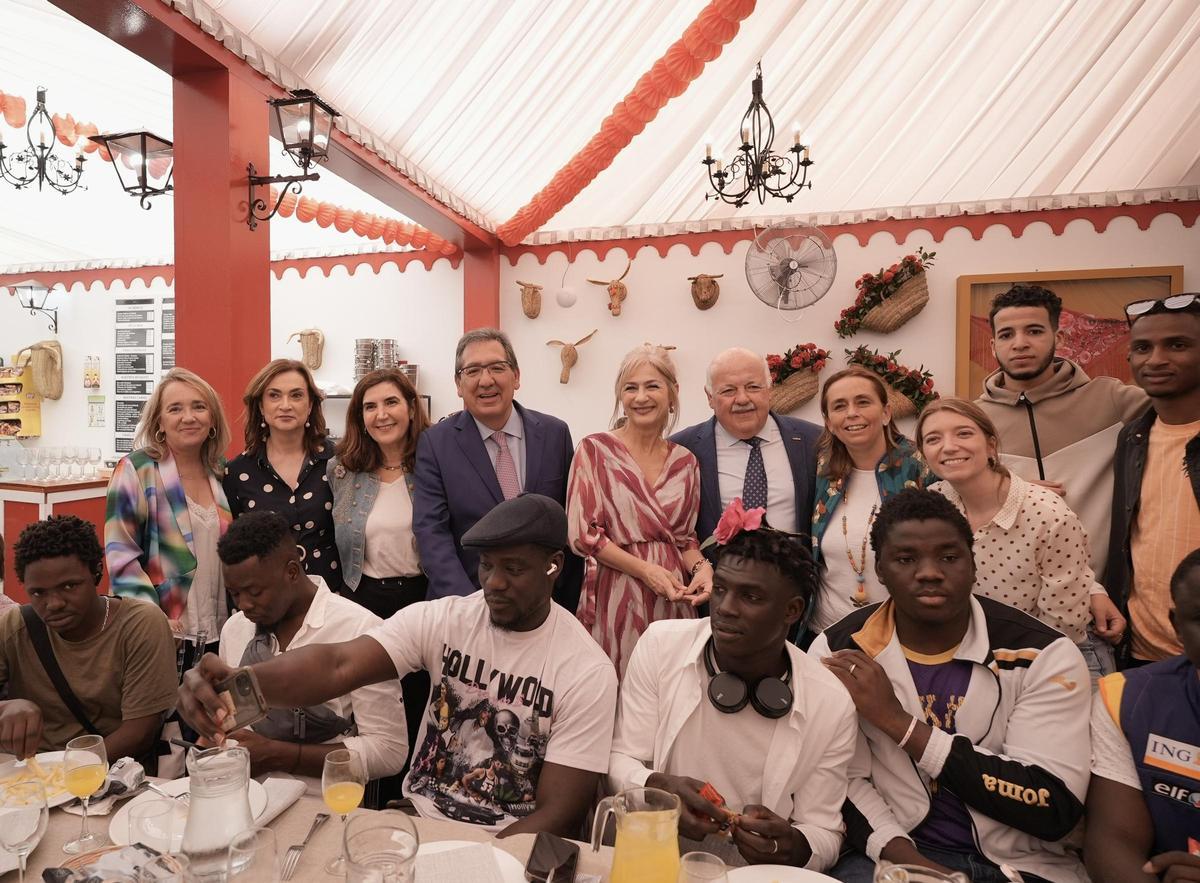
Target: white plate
x,y
776,874
10,765
511,870
118,828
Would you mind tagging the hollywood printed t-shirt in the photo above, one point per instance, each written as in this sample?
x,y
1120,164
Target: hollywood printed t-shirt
x,y
941,683
501,704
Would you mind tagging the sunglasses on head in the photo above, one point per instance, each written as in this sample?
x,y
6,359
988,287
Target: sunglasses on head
x,y
1174,302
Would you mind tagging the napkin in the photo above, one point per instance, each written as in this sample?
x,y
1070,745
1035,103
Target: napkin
x,y
281,793
476,863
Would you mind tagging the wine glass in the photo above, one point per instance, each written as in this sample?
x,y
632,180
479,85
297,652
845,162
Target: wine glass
x,y
85,764
93,455
22,820
25,459
69,455
702,867
253,856
43,461
343,781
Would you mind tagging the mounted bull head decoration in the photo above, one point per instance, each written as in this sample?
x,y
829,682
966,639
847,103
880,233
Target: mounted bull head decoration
x,y
705,289
312,344
569,354
531,299
617,292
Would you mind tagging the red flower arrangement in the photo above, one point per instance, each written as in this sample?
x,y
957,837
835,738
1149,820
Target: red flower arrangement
x,y
801,357
915,384
875,288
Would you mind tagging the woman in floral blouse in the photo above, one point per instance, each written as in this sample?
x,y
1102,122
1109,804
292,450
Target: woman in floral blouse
x,y
861,461
283,466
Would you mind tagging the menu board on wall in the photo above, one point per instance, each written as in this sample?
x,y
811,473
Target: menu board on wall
x,y
167,325
136,358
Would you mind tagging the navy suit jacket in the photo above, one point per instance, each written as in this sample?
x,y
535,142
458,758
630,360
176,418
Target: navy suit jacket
x,y
455,485
799,440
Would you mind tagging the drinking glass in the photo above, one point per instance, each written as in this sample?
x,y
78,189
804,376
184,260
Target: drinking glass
x,y
85,764
22,820
253,857
702,867
69,458
93,467
156,824
43,463
343,781
380,846
25,459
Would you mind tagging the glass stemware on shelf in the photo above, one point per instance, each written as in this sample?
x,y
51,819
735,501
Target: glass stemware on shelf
x,y
343,782
93,462
26,459
85,766
23,815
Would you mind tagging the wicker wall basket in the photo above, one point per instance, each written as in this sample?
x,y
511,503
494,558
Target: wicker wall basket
x,y
902,405
909,299
795,390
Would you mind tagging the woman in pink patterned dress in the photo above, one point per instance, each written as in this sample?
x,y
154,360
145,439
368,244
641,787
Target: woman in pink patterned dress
x,y
632,504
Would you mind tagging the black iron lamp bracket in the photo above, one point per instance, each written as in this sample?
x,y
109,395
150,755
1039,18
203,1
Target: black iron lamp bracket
x,y
256,205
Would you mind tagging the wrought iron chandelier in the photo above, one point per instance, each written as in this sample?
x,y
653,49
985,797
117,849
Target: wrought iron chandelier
x,y
756,169
38,162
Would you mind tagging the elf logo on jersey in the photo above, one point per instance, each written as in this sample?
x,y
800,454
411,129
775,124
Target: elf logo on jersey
x,y
1176,757
1177,792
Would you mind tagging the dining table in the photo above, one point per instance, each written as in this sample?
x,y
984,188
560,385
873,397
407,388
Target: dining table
x,y
293,823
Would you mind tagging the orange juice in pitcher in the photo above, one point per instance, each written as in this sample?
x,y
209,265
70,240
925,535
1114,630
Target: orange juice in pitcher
x,y
647,844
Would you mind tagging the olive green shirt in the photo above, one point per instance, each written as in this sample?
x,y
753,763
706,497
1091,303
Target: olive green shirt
x,y
126,671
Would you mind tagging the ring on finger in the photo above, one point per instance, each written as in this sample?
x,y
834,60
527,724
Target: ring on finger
x,y
853,665
774,846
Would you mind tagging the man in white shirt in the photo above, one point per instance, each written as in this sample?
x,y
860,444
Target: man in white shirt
x,y
729,703
747,451
280,609
548,689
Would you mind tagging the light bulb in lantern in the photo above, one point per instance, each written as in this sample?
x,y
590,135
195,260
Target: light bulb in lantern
x,y
303,127
565,298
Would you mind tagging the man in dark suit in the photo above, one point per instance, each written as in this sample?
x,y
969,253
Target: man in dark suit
x,y
491,451
747,451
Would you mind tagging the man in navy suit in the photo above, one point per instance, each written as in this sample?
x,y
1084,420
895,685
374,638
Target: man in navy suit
x,y
747,451
489,452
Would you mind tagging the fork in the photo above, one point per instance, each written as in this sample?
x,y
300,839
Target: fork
x,y
162,792
292,858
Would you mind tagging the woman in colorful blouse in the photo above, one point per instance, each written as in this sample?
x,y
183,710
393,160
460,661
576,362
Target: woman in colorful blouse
x,y
861,461
632,502
371,478
166,508
283,466
1030,548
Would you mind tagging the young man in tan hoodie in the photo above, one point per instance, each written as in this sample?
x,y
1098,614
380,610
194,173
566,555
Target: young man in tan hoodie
x,y
1058,427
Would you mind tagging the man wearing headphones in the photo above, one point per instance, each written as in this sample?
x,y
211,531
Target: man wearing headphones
x,y
752,735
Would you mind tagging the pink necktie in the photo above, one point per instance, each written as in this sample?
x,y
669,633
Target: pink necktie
x,y
506,469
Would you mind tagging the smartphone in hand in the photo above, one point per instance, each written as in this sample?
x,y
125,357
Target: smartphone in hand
x,y
243,700
552,860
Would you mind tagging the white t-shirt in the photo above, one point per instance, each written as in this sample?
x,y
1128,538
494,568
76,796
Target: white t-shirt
x,y
501,704
391,547
1112,758
841,582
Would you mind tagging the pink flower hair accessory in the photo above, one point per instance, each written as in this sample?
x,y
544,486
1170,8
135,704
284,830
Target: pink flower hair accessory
x,y
735,519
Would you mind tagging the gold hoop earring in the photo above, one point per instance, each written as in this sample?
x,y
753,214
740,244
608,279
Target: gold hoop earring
x,y
160,436
212,432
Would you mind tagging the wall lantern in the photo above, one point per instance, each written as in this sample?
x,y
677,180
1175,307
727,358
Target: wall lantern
x,y
38,162
144,163
305,123
32,295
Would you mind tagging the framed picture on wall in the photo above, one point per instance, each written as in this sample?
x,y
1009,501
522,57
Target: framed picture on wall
x,y
1092,329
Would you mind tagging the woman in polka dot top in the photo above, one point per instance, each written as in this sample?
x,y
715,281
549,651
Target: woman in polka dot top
x,y
1030,549
283,466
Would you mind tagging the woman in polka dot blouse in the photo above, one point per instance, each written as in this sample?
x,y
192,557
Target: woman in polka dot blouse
x,y
1030,549
283,466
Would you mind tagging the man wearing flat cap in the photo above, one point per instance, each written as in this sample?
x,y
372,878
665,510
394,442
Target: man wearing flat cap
x,y
518,724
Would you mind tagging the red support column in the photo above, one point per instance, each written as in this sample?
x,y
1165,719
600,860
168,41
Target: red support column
x,y
481,288
222,267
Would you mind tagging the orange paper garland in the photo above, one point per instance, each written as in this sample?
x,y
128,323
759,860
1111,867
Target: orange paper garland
x,y
702,41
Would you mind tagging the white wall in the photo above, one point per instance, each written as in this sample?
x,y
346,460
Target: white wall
x,y
659,308
422,309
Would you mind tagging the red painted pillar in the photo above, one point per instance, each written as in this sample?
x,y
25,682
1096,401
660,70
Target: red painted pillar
x,y
222,267
481,288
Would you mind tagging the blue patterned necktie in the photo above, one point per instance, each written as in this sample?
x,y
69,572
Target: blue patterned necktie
x,y
754,490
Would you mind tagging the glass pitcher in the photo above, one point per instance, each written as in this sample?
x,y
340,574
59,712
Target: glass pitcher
x,y
647,846
886,872
218,807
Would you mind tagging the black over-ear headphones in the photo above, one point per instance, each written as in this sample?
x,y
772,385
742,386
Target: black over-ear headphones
x,y
729,693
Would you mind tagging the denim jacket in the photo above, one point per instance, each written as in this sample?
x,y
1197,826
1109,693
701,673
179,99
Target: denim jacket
x,y
354,496
898,468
